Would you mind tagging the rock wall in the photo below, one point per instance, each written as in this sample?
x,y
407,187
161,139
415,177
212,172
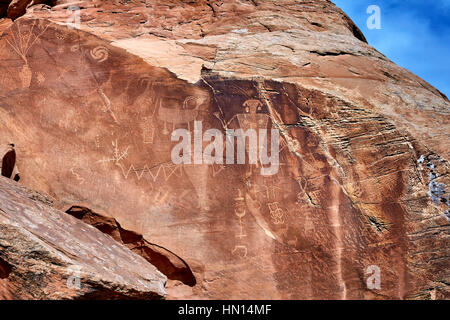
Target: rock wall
x,y
90,110
46,254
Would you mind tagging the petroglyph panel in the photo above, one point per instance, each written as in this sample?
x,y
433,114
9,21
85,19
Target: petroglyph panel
x,y
95,129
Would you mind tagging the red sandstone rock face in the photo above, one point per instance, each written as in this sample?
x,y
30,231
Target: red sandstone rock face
x,y
13,9
165,261
90,113
45,254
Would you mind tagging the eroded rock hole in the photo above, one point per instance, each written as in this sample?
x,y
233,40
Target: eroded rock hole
x,y
5,269
8,163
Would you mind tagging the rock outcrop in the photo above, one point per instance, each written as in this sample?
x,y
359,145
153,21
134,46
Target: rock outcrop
x,y
165,261
14,9
90,109
46,254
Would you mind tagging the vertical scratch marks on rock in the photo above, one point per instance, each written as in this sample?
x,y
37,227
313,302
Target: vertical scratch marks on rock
x,y
334,214
336,225
292,144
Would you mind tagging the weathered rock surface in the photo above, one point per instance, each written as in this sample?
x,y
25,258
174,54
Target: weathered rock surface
x,y
46,254
165,261
8,167
90,112
13,9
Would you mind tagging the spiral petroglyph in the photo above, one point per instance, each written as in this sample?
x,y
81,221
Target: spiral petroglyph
x,y
75,48
100,53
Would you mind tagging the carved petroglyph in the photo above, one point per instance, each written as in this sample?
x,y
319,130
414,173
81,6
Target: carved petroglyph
x,y
254,203
165,170
107,104
175,116
240,211
77,176
283,145
161,197
217,169
67,121
75,47
21,43
240,249
117,154
149,128
251,119
273,191
25,75
99,53
198,176
304,195
167,199
40,78
276,213
145,82
97,141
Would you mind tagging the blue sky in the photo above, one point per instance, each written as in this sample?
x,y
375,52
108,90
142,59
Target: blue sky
x,y
415,34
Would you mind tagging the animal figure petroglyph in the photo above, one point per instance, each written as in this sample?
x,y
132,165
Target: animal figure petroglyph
x,y
177,116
